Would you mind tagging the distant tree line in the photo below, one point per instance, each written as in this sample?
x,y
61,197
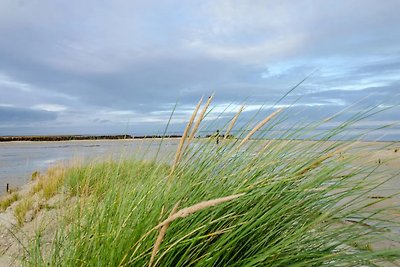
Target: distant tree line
x,y
80,137
98,137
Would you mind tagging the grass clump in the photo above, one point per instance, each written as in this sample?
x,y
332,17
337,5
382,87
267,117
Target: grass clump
x,y
35,175
8,200
49,185
21,209
240,203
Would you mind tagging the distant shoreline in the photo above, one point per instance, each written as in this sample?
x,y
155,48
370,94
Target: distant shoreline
x,y
55,138
79,137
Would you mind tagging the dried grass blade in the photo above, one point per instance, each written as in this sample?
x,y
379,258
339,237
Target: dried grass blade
x,y
184,136
199,119
197,207
261,124
160,237
233,122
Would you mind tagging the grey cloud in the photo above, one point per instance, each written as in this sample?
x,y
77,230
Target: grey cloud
x,y
369,96
15,116
141,57
391,65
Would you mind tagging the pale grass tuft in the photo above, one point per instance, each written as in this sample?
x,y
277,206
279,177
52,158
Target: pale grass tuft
x,y
50,183
21,209
197,207
184,136
199,120
258,126
233,122
53,182
8,200
160,237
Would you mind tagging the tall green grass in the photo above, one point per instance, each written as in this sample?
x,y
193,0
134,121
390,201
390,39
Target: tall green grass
x,y
290,203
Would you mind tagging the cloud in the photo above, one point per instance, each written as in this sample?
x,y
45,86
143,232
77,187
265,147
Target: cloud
x,y
94,64
50,107
19,116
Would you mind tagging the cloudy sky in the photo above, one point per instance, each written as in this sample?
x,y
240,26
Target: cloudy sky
x,y
96,66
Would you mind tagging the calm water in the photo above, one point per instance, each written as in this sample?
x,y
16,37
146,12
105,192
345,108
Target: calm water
x,y
19,159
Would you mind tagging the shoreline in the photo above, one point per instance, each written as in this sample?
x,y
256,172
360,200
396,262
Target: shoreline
x,y
57,138
63,138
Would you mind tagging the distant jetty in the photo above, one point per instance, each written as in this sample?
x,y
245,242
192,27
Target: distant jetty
x,y
80,137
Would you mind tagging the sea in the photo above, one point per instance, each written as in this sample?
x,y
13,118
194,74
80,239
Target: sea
x,y
18,160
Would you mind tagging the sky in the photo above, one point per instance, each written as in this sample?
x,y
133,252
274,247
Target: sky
x,y
109,67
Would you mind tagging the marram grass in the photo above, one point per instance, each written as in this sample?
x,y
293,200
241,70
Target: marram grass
x,y
252,203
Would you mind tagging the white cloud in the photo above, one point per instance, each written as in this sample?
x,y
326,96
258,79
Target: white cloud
x,y
6,105
50,107
7,83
